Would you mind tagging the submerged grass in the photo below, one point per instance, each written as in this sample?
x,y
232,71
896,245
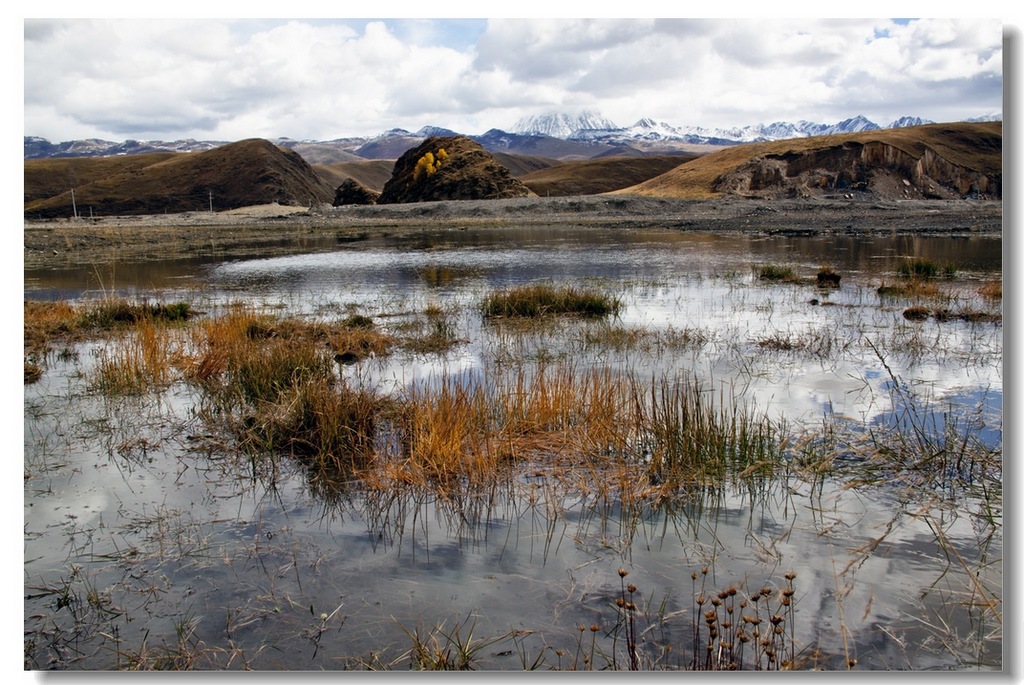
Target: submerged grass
x,y
911,287
615,436
737,628
431,332
991,289
622,338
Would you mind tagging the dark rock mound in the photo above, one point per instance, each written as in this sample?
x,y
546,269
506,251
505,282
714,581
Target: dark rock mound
x,y
450,168
351,192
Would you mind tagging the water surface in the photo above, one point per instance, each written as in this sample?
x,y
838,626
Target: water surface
x,y
139,529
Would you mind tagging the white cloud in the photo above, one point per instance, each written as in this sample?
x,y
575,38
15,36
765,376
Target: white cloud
x,y
329,78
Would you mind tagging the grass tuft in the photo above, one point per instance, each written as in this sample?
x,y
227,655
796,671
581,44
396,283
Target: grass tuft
x,y
828,278
924,269
777,273
544,299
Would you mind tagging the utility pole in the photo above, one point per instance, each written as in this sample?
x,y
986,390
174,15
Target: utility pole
x,y
74,207
211,201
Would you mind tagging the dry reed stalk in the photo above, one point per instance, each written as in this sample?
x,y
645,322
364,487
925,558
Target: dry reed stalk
x,y
45,320
143,358
444,433
913,287
991,289
354,344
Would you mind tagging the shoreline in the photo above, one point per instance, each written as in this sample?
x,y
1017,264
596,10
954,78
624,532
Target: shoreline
x,y
270,230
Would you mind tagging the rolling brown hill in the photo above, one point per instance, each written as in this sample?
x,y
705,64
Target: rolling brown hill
x,y
249,172
930,161
47,177
600,175
372,174
520,165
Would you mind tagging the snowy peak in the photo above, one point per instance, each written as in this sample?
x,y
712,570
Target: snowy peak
x,y
903,122
561,124
995,116
435,131
855,125
595,129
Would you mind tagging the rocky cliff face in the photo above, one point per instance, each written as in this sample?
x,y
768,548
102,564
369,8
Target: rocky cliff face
x,y
855,166
450,168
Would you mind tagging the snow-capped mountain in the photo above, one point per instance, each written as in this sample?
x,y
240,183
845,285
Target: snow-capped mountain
x,y
995,116
428,131
650,130
554,134
903,122
561,124
36,147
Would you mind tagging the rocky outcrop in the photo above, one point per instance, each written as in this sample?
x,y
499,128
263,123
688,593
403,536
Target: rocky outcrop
x,y
450,168
351,192
859,166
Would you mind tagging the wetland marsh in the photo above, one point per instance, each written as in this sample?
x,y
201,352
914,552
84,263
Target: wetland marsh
x,y
348,458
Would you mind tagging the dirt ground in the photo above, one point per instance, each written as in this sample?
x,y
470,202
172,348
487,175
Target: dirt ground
x,y
270,230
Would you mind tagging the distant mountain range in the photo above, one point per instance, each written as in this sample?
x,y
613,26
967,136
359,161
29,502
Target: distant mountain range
x,y
934,161
556,135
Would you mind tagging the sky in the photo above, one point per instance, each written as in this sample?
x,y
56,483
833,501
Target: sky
x,y
322,79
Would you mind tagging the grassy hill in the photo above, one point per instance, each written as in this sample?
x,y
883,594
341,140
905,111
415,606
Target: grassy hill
x,y
935,160
246,173
600,175
45,178
520,165
372,174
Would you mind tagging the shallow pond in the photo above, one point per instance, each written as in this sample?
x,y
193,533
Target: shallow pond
x,y
149,543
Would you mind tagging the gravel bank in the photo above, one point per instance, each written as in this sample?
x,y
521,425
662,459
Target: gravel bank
x,y
274,229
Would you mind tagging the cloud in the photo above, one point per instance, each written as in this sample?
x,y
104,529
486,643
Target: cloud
x,y
231,79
